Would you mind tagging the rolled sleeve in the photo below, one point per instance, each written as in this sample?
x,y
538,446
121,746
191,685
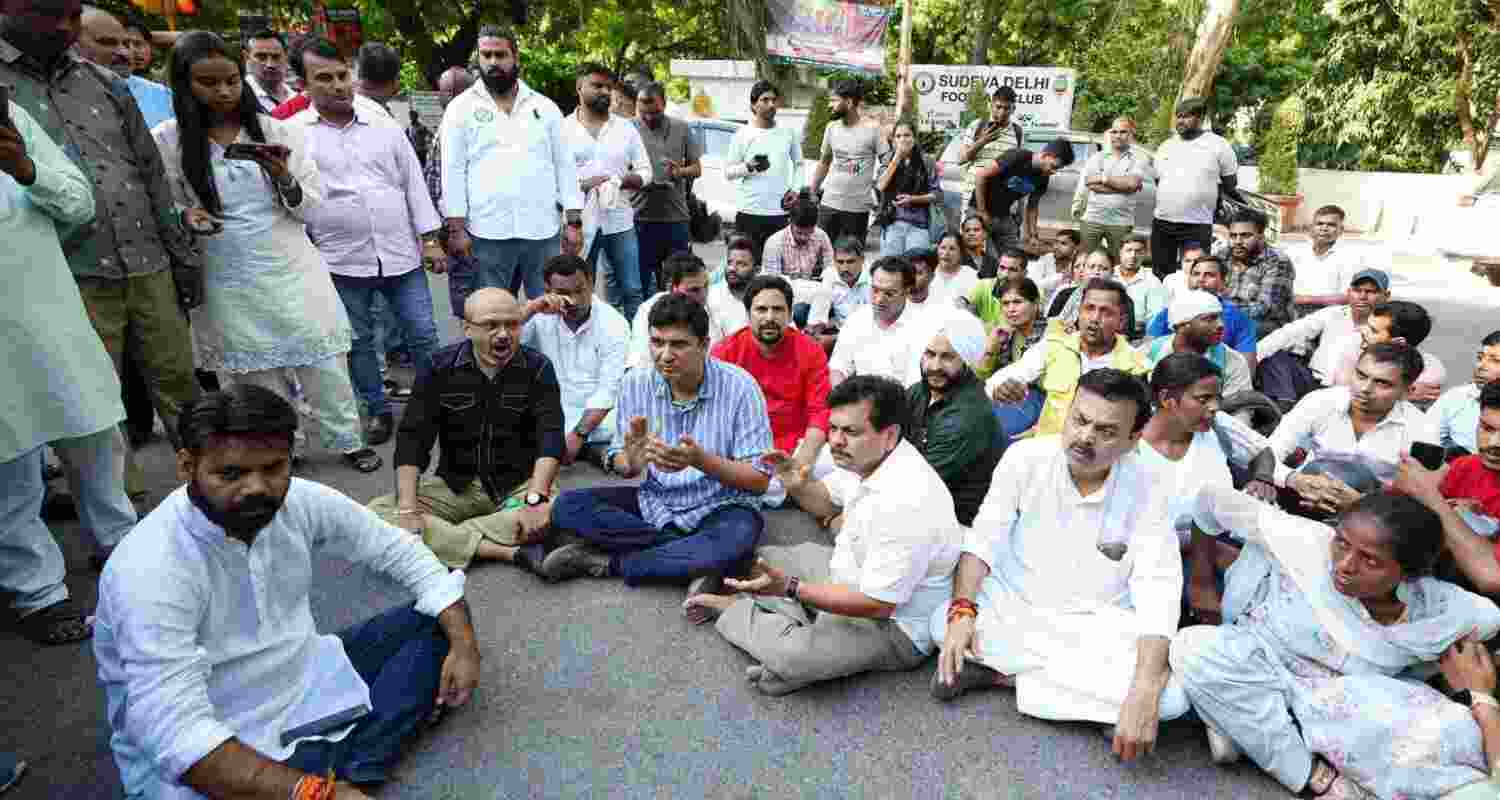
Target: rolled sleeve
x,y
1293,432
816,388
568,193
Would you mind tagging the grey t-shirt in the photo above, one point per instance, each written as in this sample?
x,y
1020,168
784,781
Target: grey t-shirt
x,y
1187,177
672,141
851,176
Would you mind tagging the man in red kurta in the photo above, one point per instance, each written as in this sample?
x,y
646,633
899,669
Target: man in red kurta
x,y
790,367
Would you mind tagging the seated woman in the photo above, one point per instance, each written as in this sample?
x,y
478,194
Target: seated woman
x,y
1012,310
1313,680
975,248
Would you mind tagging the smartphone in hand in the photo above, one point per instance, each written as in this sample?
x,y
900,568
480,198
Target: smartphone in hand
x,y
1428,455
254,151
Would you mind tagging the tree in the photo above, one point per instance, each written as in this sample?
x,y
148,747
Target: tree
x,y
1475,30
818,118
1214,31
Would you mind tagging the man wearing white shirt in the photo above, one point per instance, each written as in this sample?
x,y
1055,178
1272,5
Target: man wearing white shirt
x,y
612,165
765,163
1190,169
1370,420
267,66
375,228
586,342
1324,268
1055,266
687,275
1070,583
1456,413
1286,375
217,682
879,338
506,169
865,608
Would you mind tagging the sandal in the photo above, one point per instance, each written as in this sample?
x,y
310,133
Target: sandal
x,y
364,459
56,624
1321,780
396,390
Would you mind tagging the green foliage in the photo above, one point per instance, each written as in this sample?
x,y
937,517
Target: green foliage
x,y
977,106
818,118
880,90
1278,148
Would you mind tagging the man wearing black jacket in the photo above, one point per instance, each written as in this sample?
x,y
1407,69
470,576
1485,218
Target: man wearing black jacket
x,y
494,408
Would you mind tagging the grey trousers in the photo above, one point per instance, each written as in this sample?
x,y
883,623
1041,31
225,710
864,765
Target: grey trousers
x,y
798,647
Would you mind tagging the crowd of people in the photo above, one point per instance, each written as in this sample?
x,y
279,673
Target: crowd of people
x,y
1129,479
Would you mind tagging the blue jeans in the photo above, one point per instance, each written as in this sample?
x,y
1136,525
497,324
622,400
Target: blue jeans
x,y
899,237
624,285
399,654
411,299
657,241
1017,418
385,327
463,276
609,518
510,263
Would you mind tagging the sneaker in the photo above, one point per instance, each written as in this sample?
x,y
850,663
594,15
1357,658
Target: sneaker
x,y
574,561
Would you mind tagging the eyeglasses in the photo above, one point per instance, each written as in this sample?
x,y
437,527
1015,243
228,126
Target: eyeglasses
x,y
490,326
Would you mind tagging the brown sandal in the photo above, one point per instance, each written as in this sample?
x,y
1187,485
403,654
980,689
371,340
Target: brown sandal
x,y
57,624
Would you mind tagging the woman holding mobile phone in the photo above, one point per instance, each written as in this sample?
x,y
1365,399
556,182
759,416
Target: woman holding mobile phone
x,y
269,309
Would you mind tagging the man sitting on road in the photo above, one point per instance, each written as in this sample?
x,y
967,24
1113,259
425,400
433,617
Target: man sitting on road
x,y
1145,289
586,342
1324,268
1054,266
1198,327
1397,322
923,263
877,339
951,422
217,682
1060,360
686,276
790,367
1457,411
1370,420
1070,584
493,406
1286,372
800,250
1203,272
866,607
694,426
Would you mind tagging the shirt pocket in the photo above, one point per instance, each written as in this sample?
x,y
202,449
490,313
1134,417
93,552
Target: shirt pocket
x,y
461,411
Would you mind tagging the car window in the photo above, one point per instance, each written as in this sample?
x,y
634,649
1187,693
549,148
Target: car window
x,y
716,141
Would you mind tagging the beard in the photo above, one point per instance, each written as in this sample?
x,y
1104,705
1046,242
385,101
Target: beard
x,y
770,334
249,517
599,104
500,81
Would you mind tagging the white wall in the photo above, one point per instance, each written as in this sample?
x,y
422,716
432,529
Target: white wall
x,y
1394,206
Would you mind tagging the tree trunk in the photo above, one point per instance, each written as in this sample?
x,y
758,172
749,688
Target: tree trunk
x,y
989,17
1476,137
1214,32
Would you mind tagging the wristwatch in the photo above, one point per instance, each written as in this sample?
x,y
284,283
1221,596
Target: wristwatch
x,y
534,499
1471,698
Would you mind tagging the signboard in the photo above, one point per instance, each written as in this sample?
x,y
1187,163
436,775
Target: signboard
x,y
429,108
842,34
1044,95
341,26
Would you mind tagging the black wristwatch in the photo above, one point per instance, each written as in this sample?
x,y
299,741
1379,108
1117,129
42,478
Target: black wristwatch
x,y
534,499
792,585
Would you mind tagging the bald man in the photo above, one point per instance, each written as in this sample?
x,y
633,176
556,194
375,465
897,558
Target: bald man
x,y
101,40
494,407
462,269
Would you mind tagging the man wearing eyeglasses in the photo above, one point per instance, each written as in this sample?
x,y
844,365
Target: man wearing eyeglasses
x,y
1108,190
494,408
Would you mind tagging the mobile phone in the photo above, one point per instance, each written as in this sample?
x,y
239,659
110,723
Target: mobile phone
x,y
327,724
1428,455
5,106
762,162
247,151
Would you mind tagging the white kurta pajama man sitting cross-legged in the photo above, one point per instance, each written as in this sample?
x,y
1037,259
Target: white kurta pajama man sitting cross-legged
x,y
1055,611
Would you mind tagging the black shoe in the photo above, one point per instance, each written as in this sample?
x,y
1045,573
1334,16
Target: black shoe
x,y
530,557
59,507
379,428
574,561
140,437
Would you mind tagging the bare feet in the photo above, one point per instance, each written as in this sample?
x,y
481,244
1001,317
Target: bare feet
x,y
701,608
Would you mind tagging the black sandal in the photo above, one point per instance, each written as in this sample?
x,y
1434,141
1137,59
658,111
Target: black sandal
x,y
57,624
364,459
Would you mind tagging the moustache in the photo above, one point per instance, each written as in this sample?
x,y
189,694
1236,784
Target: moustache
x,y
1083,451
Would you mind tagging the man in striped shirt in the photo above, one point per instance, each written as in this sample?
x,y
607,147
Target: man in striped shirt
x,y
695,427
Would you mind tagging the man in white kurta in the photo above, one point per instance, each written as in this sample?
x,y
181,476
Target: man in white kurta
x,y
1078,591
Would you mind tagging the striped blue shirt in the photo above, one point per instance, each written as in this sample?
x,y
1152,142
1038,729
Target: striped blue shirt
x,y
728,418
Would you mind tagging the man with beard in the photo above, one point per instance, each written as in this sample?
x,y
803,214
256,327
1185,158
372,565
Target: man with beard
x,y
1108,189
493,406
802,250
376,227
764,161
1191,169
1060,361
790,367
1070,583
1260,276
878,338
217,682
847,164
1198,327
507,169
268,67
134,264
462,271
813,615
661,210
952,423
687,276
1284,374
612,167
728,295
1055,265
1371,420
586,342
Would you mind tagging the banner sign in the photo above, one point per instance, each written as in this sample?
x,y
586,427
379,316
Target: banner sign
x,y
1044,95
841,34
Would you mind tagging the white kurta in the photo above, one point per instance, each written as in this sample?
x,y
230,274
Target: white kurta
x,y
1204,464
1055,611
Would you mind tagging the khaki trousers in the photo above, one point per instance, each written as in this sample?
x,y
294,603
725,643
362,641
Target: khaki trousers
x,y
798,649
453,524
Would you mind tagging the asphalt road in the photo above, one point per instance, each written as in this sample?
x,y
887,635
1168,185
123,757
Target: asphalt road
x,y
591,689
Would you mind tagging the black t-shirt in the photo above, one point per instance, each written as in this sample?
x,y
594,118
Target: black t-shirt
x,y
1019,177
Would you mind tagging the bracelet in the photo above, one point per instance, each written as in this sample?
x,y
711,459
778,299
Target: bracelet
x,y
313,787
955,614
407,512
963,603
792,585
